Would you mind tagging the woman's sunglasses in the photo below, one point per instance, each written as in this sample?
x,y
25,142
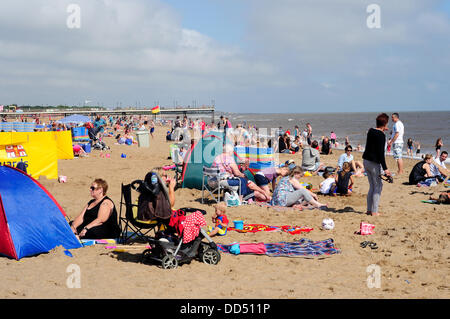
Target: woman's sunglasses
x,y
92,188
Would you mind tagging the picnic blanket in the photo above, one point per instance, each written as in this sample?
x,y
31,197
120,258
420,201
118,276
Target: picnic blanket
x,y
301,248
253,228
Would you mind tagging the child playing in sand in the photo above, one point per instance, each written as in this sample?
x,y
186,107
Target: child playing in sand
x,y
344,180
220,220
328,183
79,151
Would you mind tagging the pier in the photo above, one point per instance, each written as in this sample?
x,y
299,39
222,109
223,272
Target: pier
x,y
177,111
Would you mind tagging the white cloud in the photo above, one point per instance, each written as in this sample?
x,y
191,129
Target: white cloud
x,y
292,51
121,42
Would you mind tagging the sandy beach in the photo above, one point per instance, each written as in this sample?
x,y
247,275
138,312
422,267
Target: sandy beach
x,y
412,237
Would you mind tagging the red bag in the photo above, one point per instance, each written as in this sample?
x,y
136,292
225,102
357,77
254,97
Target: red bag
x,y
366,229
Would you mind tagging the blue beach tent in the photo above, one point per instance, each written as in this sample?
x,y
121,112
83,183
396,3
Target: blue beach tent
x,y
31,220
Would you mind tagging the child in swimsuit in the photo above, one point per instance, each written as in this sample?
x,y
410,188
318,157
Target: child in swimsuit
x,y
220,220
410,147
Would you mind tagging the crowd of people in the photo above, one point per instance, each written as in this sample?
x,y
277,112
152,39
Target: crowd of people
x,y
280,185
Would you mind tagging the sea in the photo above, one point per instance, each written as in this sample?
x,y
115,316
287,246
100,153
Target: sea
x,y
423,127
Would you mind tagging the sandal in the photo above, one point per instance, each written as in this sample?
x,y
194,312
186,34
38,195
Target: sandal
x,y
373,245
364,244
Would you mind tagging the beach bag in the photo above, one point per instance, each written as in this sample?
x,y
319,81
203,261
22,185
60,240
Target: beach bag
x,y
232,199
366,229
152,201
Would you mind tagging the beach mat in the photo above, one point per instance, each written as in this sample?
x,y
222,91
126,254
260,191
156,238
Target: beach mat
x,y
302,248
253,228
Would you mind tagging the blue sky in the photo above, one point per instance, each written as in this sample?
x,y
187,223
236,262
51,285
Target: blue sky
x,y
218,19
246,55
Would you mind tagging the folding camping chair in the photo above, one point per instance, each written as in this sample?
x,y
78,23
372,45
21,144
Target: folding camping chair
x,y
132,227
213,173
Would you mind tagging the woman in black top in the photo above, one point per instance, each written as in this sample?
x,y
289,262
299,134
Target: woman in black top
x,y
374,161
98,219
283,144
326,146
421,171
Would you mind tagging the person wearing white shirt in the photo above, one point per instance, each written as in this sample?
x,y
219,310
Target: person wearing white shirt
x,y
438,167
357,167
396,141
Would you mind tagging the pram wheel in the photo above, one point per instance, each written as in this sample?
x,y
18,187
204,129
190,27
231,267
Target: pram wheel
x,y
169,262
211,257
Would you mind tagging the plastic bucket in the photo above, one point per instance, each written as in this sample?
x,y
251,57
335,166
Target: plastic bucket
x,y
143,138
238,224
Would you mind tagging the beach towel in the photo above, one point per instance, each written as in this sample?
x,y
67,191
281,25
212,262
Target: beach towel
x,y
91,242
301,248
253,228
430,201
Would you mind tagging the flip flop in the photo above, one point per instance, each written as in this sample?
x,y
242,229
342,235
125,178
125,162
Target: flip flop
x,y
364,244
373,245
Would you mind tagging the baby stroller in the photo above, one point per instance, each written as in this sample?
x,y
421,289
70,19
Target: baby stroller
x,y
95,141
170,250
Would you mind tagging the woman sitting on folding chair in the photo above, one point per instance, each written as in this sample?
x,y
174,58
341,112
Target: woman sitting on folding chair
x,y
232,177
98,220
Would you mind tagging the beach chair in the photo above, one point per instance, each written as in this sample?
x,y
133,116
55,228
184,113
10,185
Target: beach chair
x,y
131,228
213,173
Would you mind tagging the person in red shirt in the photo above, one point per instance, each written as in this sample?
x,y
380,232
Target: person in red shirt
x,y
220,220
203,126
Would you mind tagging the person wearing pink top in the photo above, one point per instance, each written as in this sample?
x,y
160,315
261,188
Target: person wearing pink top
x,y
228,167
333,138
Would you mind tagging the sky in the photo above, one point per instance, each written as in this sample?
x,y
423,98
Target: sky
x,y
253,56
